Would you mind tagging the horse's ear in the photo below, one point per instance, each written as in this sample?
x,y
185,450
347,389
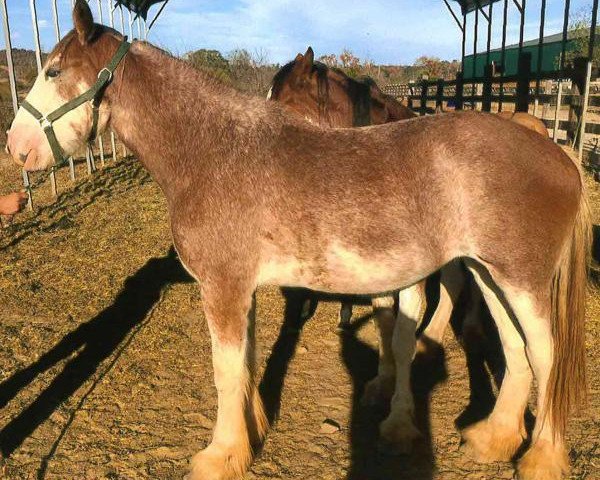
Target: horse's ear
x,y
303,63
309,56
83,20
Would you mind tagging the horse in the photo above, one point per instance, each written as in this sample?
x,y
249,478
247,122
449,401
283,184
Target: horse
x,y
257,196
527,120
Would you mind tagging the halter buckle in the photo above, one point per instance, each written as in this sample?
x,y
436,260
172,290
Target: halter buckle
x,y
110,74
45,123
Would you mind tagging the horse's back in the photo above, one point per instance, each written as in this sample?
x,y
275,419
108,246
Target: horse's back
x,y
435,174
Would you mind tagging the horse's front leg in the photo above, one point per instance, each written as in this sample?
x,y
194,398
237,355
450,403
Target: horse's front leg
x,y
241,422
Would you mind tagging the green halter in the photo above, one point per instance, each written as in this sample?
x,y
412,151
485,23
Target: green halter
x,y
93,95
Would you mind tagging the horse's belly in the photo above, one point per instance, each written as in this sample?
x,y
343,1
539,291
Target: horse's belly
x,y
342,269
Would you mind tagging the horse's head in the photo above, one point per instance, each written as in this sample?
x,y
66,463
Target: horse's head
x,y
69,78
303,86
328,96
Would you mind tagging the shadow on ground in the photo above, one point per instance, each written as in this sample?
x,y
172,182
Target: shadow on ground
x,y
367,459
99,338
91,343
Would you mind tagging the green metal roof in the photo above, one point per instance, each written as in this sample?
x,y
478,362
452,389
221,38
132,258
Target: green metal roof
x,y
471,5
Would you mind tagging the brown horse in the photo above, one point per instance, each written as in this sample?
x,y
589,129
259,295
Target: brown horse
x,y
256,197
527,120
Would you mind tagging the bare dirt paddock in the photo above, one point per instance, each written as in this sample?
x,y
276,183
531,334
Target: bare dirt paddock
x,y
105,365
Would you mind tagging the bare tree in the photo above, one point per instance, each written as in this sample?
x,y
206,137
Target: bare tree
x,y
251,72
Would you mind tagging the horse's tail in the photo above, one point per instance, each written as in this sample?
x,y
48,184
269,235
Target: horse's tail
x,y
567,385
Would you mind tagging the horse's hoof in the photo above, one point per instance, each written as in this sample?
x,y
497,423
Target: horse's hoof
x,y
543,461
217,462
487,442
398,435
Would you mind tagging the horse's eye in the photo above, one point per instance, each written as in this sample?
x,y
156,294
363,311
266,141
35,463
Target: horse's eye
x,y
53,72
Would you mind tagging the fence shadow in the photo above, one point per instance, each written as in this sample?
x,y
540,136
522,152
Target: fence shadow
x,y
96,339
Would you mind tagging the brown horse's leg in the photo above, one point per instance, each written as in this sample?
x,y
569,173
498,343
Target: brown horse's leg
x,y
241,422
380,389
498,437
398,430
451,285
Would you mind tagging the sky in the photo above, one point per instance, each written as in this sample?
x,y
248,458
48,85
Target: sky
x,y
383,31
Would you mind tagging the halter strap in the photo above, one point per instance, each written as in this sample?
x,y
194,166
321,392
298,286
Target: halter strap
x,y
93,95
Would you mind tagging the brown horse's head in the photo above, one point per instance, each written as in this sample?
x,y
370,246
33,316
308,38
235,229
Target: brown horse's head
x,y
71,69
328,96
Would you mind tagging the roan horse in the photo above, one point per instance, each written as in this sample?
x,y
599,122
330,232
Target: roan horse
x,y
256,197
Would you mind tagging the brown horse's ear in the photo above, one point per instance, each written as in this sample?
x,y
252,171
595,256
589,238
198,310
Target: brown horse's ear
x,y
309,56
83,20
303,63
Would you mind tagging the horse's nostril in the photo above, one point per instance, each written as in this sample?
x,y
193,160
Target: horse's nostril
x,y
23,156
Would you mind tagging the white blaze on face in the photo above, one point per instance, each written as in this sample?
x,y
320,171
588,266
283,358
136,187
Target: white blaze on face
x,y
27,141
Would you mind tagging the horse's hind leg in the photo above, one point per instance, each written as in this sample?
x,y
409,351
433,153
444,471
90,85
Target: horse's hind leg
x,y
241,422
345,315
498,437
398,430
452,282
546,458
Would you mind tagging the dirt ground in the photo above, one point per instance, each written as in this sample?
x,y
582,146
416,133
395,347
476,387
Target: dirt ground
x,y
105,365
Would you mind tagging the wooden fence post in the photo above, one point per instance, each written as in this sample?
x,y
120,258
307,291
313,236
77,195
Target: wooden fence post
x,y
439,96
486,105
575,105
424,89
411,92
523,82
460,85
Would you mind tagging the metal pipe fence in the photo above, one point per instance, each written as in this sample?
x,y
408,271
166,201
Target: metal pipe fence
x,y
104,10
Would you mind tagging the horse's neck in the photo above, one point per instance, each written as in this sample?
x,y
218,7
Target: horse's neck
x,y
172,118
